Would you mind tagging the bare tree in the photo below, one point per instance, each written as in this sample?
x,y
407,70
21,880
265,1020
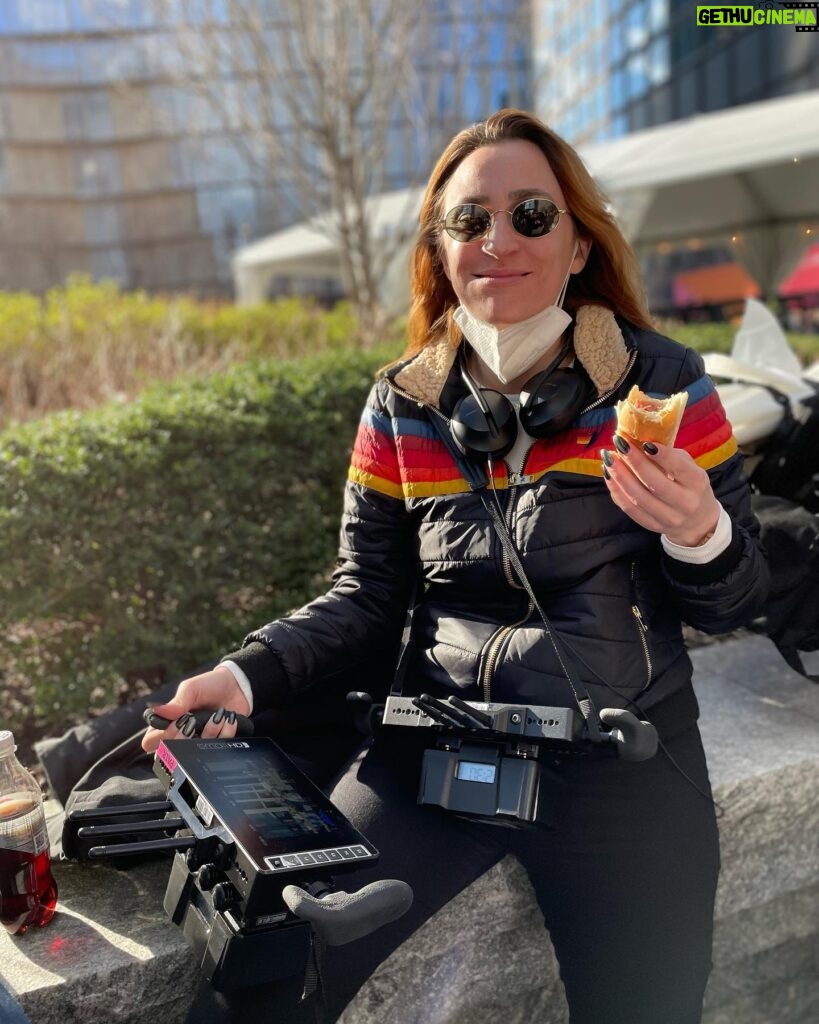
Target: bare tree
x,y
319,94
333,102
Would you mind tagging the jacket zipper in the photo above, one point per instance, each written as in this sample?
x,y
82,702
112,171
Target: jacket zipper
x,y
642,628
494,644
612,390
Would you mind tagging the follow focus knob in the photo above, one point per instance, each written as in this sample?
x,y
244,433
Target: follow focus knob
x,y
207,877
222,895
223,855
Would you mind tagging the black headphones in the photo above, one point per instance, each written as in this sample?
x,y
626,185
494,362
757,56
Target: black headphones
x,y
484,422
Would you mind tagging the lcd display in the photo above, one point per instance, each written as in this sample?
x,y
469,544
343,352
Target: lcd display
x,y
267,804
475,771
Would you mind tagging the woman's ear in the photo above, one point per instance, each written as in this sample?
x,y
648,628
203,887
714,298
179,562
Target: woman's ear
x,y
583,249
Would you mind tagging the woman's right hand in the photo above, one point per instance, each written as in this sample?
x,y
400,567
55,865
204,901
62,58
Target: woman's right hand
x,y
215,689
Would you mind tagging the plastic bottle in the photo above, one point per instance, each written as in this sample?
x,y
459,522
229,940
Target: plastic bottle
x,y
28,893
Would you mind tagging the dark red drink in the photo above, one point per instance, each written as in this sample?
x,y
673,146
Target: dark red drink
x,y
28,893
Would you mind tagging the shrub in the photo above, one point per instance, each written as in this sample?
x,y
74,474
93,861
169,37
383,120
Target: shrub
x,y
139,541
714,337
86,343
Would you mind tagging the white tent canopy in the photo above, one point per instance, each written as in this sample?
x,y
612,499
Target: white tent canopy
x,y
749,173
307,250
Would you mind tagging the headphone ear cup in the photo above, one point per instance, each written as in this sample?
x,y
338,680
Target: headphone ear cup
x,y
552,400
478,435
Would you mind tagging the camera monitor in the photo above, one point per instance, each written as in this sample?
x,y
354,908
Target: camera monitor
x,y
273,812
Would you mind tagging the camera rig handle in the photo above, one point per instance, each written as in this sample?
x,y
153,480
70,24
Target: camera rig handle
x,y
341,917
244,726
635,739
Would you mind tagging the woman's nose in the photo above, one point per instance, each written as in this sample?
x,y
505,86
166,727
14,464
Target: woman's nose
x,y
501,237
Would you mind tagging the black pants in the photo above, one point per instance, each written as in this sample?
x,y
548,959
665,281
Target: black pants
x,y
626,882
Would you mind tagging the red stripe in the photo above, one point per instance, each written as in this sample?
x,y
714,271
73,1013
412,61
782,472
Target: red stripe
x,y
374,453
714,439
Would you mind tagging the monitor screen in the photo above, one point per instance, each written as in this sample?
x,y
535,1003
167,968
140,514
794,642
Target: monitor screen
x,y
272,809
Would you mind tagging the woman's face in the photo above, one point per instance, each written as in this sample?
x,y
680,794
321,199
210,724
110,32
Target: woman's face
x,y
504,277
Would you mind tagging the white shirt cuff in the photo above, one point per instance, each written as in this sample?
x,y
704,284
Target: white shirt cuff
x,y
242,680
708,551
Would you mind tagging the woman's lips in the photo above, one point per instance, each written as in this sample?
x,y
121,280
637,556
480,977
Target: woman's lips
x,y
502,275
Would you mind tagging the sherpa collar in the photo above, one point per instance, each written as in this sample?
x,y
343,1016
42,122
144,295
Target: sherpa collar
x,y
598,344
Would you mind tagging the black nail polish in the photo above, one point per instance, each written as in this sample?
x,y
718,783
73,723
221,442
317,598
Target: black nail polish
x,y
621,444
230,718
650,448
608,459
189,728
180,722
217,716
606,473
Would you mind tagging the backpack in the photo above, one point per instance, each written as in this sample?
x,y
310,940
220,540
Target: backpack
x,y
790,536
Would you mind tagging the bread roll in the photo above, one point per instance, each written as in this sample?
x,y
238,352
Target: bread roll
x,y
650,419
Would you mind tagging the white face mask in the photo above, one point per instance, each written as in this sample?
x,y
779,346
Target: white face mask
x,y
511,352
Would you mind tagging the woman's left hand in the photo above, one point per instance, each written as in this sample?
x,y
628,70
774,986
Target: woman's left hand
x,y
662,489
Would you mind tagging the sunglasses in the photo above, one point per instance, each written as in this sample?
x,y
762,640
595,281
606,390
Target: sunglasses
x,y
531,218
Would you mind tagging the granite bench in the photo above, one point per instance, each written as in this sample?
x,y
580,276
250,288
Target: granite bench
x,y
112,955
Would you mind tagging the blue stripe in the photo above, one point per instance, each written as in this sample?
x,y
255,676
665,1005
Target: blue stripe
x,y
697,390
377,421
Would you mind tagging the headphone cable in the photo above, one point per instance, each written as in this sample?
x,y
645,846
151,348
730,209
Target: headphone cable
x,y
550,629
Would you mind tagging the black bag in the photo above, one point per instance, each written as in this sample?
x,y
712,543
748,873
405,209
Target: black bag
x,y
101,763
790,535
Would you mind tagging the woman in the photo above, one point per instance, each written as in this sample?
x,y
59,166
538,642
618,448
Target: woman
x,y
519,269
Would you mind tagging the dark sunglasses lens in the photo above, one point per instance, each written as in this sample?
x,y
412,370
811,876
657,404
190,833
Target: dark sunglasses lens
x,y
535,217
468,222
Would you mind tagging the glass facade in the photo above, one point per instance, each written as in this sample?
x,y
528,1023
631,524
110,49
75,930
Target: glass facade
x,y
602,68
112,164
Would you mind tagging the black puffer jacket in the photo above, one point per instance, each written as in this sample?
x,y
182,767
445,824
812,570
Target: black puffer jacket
x,y
605,582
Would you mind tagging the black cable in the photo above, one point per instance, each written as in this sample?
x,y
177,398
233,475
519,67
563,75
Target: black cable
x,y
550,629
720,810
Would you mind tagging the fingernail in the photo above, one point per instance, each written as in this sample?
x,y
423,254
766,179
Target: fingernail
x,y
180,722
608,459
621,444
189,728
650,448
217,716
230,718
606,473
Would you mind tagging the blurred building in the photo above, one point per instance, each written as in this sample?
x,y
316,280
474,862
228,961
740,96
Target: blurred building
x,y
111,165
605,68
602,68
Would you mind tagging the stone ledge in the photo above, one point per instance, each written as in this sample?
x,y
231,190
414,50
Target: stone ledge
x,y
115,957
109,954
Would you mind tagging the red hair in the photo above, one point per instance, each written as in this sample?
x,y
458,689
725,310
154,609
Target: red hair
x,y
611,276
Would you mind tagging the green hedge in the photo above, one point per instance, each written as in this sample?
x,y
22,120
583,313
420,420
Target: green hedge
x,y
139,541
710,337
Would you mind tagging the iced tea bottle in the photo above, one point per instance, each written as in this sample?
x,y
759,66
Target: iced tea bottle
x,y
28,893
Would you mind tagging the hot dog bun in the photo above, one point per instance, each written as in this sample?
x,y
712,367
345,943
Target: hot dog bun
x,y
650,419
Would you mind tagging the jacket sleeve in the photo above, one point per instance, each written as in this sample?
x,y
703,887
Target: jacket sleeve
x,y
364,610
727,592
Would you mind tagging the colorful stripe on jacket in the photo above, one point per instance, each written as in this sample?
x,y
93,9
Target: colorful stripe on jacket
x,y
405,458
